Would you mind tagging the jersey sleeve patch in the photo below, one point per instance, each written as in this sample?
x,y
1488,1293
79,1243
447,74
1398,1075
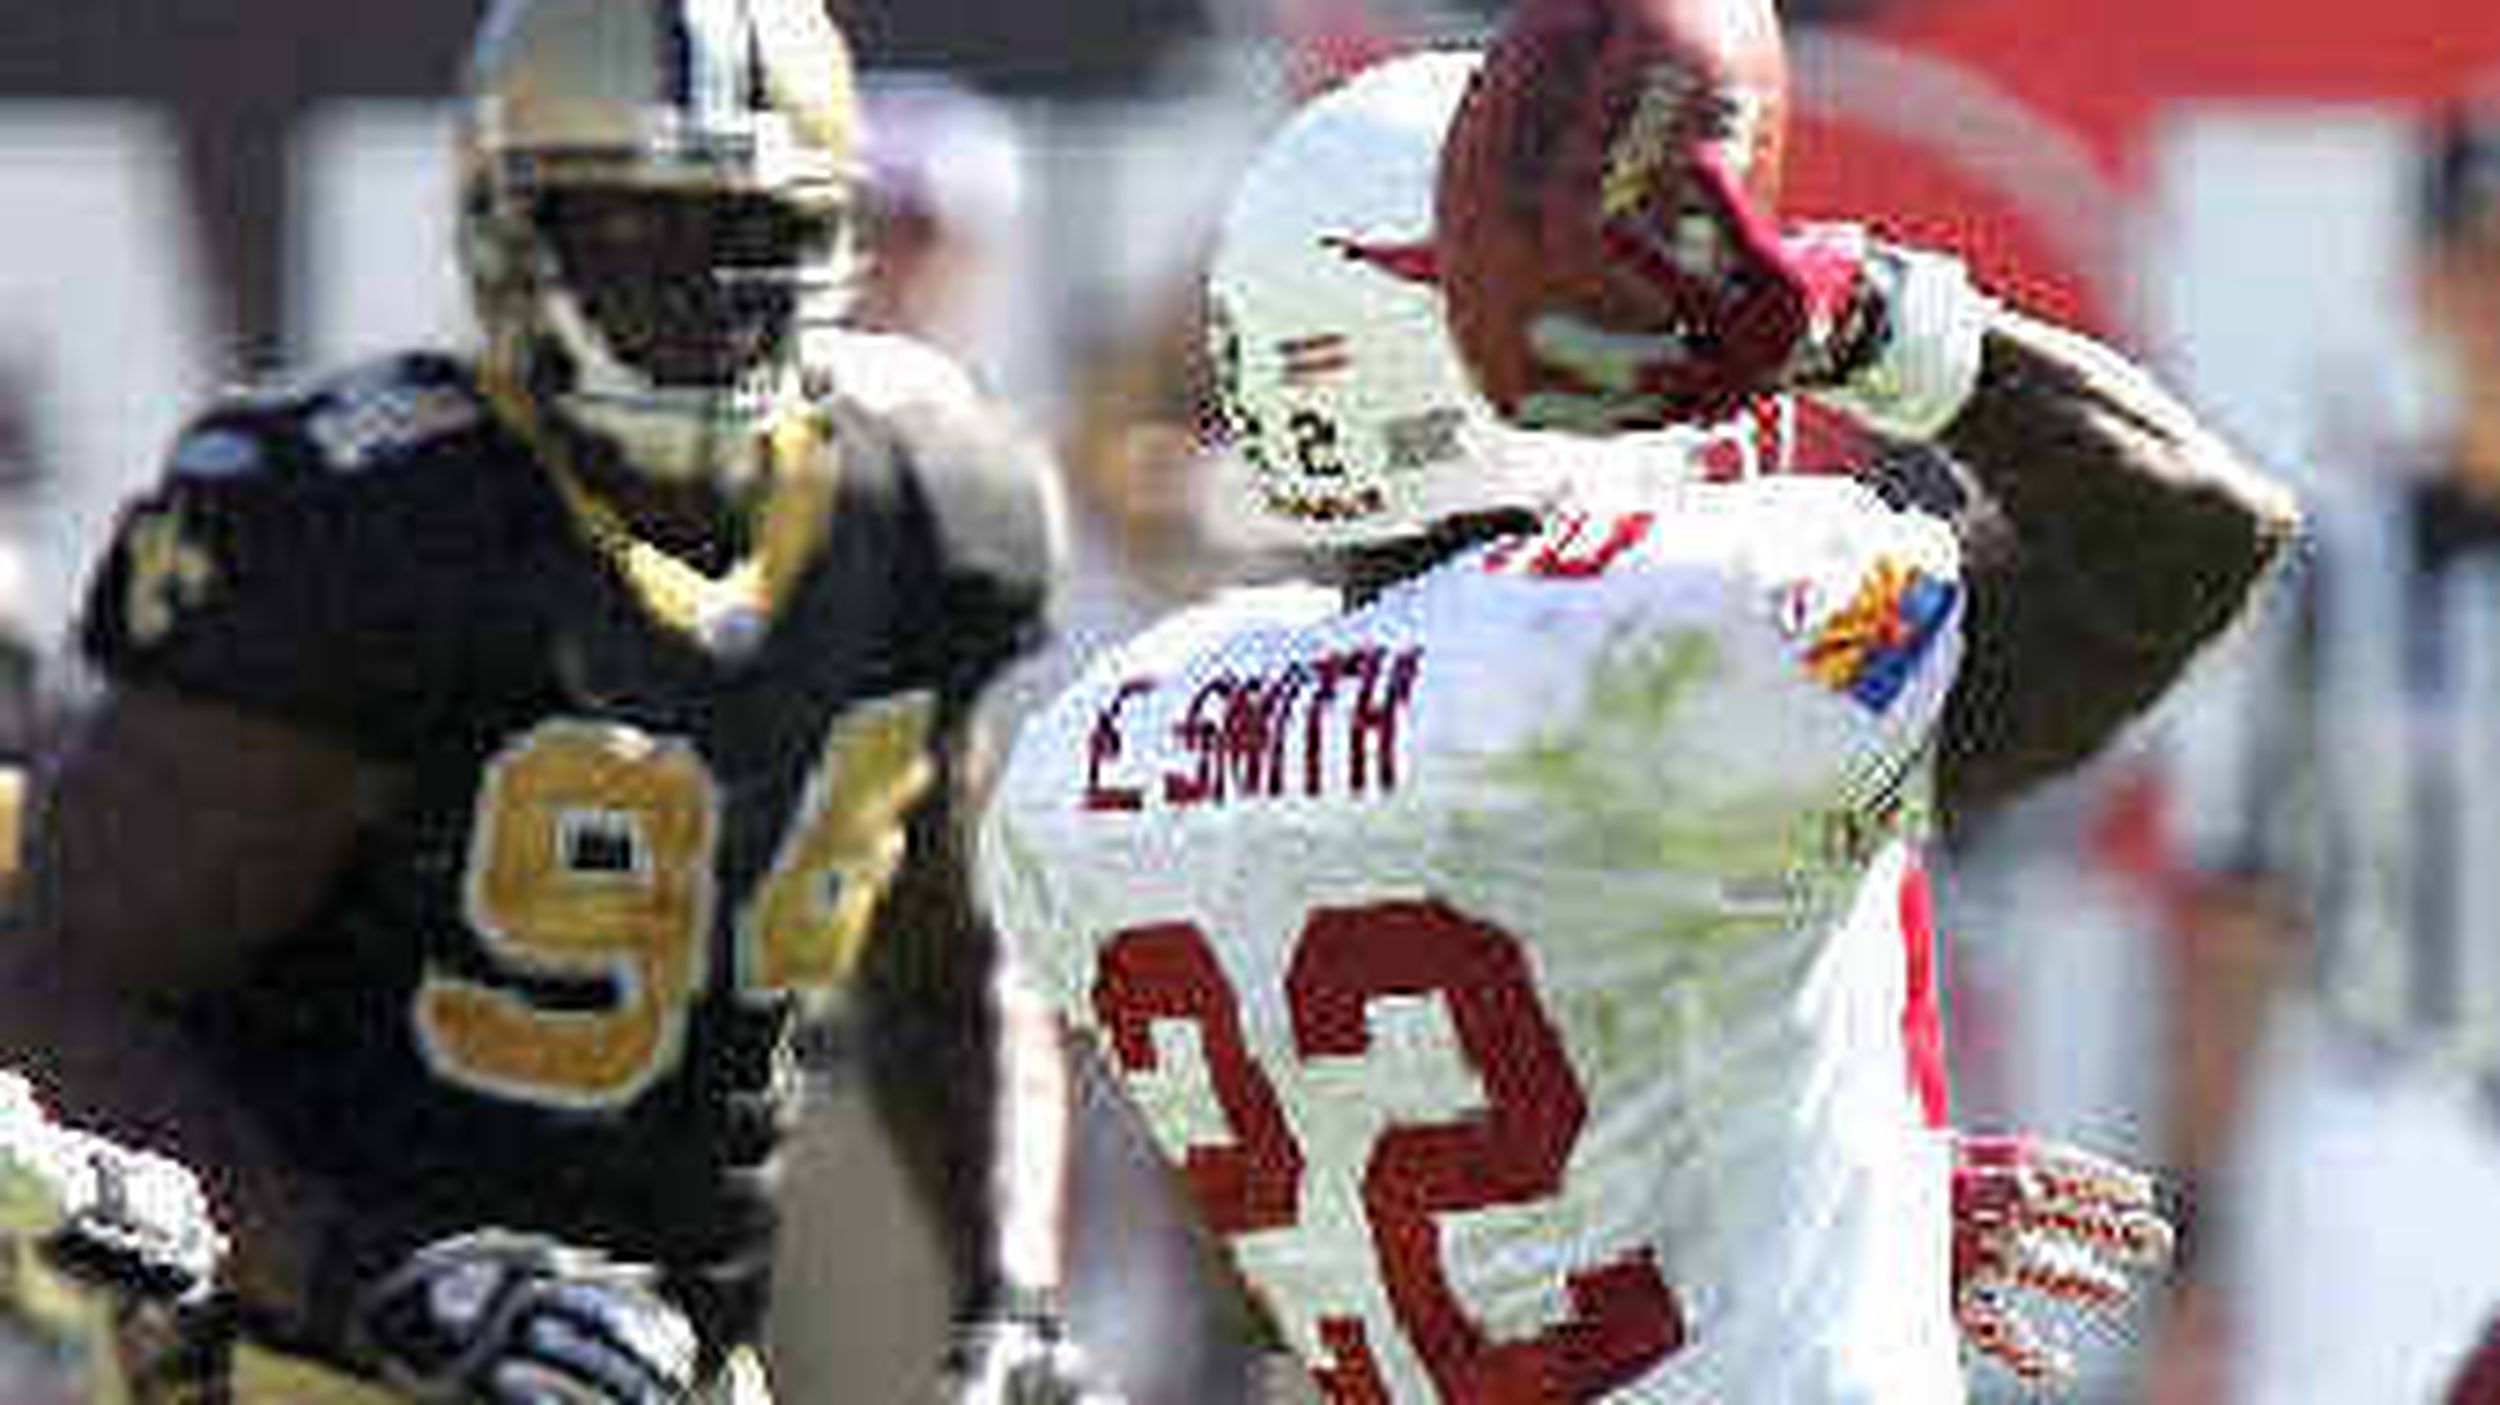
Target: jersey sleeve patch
x,y
167,569
1871,646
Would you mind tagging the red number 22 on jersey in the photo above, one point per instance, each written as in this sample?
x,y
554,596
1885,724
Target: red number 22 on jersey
x,y
1625,1318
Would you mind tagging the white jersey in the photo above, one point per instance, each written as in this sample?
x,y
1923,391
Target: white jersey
x,y
1516,965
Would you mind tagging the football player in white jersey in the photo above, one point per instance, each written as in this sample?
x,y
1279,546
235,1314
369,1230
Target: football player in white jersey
x,y
1516,936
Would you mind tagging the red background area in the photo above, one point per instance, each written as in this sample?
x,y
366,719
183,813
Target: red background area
x,y
2106,74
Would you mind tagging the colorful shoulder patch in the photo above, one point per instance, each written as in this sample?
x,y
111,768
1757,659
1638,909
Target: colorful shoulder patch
x,y
1871,646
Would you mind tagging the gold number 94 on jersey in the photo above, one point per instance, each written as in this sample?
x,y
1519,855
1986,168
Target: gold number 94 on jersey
x,y
592,859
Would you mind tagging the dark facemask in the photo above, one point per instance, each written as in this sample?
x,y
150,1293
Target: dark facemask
x,y
691,289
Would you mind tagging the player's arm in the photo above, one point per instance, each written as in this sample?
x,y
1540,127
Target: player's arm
x,y
2117,533
966,1062
172,840
198,808
961,1069
2131,536
969,1072
169,839
2134,533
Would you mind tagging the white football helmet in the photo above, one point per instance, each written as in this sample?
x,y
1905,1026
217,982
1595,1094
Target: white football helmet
x,y
1336,379
656,209
1336,382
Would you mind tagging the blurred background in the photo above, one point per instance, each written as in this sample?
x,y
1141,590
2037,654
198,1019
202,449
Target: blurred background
x,y
199,193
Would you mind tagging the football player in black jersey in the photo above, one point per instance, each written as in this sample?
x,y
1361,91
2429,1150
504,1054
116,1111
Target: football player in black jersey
x,y
502,753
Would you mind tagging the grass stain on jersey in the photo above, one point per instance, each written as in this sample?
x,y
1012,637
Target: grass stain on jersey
x,y
1684,885
1630,818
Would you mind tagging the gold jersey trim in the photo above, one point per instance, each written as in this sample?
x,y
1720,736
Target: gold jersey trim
x,y
803,469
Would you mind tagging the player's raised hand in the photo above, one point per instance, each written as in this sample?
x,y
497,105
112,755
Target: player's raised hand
x,y
1611,252
1744,311
1607,221
495,1318
2036,1219
1888,334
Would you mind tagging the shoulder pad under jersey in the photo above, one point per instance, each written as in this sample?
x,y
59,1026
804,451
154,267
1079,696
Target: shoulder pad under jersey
x,y
1786,626
991,484
304,546
368,416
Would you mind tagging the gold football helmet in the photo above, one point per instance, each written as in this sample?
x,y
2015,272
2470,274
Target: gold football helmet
x,y
657,203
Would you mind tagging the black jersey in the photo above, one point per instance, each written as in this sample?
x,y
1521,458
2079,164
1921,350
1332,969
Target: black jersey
x,y
645,815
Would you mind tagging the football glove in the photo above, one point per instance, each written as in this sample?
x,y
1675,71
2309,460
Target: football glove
x,y
1884,333
1908,356
1018,1358
496,1318
1733,306
2041,1219
129,1222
